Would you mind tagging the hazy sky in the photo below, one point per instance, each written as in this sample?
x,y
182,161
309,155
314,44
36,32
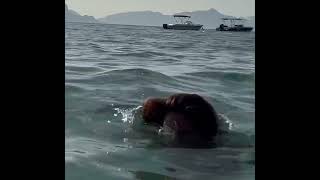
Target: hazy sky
x,y
101,8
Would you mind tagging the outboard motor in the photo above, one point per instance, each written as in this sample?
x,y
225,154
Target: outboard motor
x,y
165,26
221,27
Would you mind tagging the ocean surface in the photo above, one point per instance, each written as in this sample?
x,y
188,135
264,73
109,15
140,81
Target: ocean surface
x,y
111,69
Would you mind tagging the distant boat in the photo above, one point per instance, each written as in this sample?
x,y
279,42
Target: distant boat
x,y
234,25
183,24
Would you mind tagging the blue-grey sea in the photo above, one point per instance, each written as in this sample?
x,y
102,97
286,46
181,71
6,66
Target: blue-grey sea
x,y
111,69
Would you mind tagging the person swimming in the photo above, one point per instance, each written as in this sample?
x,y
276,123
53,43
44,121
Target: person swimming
x,y
190,117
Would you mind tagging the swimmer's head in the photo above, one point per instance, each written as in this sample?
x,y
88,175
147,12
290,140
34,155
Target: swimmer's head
x,y
184,114
154,110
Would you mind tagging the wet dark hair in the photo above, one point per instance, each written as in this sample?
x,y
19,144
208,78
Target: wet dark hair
x,y
195,109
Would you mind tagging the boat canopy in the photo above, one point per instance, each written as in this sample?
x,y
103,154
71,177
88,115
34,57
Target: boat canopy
x,y
177,15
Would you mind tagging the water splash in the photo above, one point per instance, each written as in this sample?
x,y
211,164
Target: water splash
x,y
226,122
127,114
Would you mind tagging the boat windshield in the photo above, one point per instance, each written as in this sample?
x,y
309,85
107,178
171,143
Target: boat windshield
x,y
233,21
182,19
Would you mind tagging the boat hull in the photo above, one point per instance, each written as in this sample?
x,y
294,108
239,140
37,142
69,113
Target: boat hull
x,y
242,29
195,27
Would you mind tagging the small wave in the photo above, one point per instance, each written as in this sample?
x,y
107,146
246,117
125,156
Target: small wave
x,y
79,147
97,47
82,69
232,76
143,54
132,75
145,78
72,88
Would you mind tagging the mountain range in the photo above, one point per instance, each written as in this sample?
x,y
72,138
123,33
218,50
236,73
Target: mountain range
x,y
73,16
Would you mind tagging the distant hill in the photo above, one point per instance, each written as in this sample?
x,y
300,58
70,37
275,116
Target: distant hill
x,y
209,18
146,18
72,16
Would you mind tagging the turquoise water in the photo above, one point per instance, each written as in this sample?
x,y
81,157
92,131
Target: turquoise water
x,y
111,69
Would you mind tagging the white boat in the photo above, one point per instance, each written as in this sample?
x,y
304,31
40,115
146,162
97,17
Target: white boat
x,y
183,23
234,25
